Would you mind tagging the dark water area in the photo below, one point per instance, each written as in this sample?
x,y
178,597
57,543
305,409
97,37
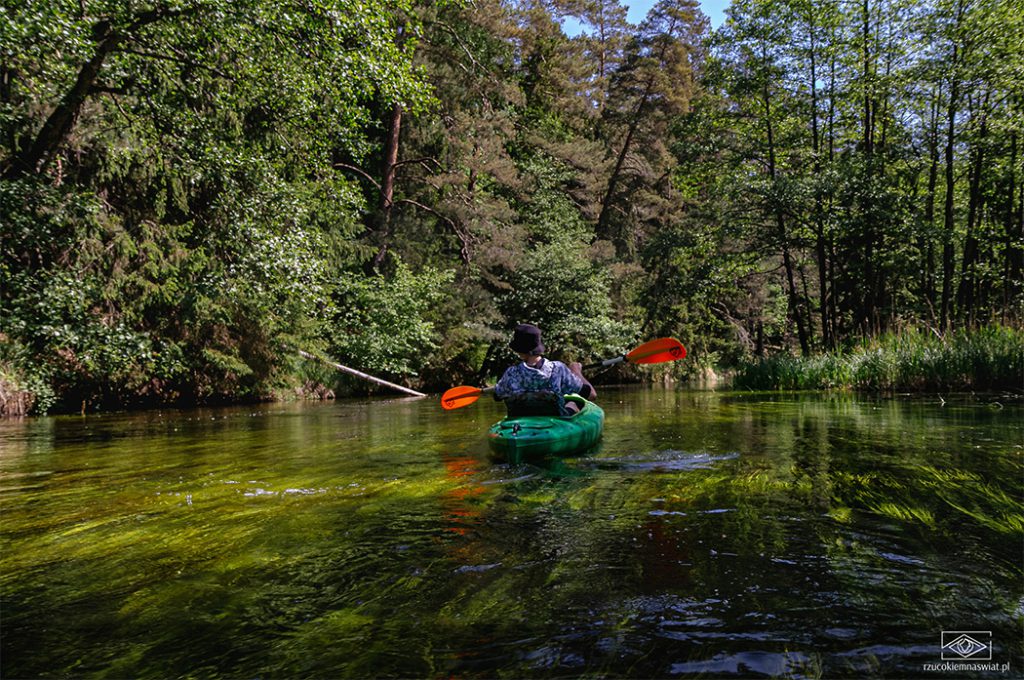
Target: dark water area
x,y
708,535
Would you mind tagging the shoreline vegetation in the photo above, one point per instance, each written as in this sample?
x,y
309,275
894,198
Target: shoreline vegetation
x,y
15,400
987,359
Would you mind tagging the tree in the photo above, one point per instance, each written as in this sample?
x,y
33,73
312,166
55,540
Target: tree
x,y
170,212
604,40
654,84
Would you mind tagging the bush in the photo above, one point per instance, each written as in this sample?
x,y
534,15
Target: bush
x,y
381,324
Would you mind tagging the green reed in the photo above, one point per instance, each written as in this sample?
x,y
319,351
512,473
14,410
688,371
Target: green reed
x,y
984,359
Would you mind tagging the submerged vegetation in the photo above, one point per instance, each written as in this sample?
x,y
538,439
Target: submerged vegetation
x,y
191,191
988,359
832,531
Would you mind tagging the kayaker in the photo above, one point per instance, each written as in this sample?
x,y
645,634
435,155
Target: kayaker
x,y
538,386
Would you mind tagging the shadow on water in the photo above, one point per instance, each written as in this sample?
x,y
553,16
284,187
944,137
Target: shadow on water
x,y
708,534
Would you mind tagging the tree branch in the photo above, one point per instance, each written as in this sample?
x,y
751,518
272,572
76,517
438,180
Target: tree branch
x,y
464,251
359,171
458,41
62,120
422,161
181,58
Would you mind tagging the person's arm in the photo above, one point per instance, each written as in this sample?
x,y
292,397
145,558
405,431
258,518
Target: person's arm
x,y
502,389
587,391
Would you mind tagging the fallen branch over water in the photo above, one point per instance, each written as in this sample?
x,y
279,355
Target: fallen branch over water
x,y
360,374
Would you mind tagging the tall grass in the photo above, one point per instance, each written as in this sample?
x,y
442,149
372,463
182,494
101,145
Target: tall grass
x,y
985,359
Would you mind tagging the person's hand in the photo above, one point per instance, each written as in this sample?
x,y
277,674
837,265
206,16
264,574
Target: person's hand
x,y
588,390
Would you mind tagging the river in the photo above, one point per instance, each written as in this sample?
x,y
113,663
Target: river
x,y
710,534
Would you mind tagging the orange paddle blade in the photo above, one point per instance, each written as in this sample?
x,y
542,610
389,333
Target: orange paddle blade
x,y
457,397
657,351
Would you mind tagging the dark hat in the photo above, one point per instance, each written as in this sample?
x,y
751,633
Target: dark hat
x,y
526,339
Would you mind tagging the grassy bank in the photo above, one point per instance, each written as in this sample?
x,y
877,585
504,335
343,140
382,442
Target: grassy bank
x,y
986,359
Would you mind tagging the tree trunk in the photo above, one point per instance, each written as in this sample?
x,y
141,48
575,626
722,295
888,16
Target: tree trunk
x,y
926,242
948,216
821,250
832,110
634,124
34,158
885,96
613,180
833,310
966,290
7,77
1013,261
868,122
794,304
870,293
387,184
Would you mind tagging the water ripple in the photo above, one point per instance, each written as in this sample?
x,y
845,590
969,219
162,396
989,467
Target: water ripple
x,y
746,664
669,460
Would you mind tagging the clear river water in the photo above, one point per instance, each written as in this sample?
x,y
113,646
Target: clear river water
x,y
710,534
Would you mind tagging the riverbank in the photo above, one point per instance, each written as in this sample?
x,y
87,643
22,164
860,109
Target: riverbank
x,y
985,359
989,359
16,398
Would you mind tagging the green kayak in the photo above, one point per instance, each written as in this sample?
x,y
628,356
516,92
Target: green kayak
x,y
517,439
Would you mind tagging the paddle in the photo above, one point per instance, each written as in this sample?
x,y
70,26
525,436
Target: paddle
x,y
464,395
651,352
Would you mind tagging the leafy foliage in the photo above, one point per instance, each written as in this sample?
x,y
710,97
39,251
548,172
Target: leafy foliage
x,y
192,190
383,323
175,236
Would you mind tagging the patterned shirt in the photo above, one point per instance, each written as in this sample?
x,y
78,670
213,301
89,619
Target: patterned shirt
x,y
552,377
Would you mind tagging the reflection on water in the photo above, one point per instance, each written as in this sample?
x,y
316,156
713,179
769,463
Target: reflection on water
x,y
708,534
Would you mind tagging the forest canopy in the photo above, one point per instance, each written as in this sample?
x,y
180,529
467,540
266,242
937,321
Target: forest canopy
x,y
194,190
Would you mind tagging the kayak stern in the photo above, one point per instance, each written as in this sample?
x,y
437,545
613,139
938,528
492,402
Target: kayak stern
x,y
531,437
